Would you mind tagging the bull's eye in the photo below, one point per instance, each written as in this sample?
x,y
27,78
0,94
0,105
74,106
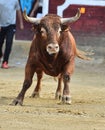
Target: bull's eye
x,y
43,32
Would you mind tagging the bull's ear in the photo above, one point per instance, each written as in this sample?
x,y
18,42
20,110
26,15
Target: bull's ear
x,y
64,27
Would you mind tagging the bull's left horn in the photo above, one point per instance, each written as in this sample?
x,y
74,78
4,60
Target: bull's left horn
x,y
72,19
30,19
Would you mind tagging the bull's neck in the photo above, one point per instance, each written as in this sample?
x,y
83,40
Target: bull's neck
x,y
51,58
49,64
48,59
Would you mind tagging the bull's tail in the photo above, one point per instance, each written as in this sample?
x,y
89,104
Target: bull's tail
x,y
80,54
83,55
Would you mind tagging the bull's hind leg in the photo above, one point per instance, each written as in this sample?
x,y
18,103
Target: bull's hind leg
x,y
58,94
29,72
36,92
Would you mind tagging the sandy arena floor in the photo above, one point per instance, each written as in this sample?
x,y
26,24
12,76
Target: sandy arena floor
x,y
87,111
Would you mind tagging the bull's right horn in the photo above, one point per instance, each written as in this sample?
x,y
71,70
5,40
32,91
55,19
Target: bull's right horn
x,y
30,19
71,19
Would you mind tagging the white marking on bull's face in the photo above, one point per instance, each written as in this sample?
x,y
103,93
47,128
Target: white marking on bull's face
x,y
59,30
43,32
52,48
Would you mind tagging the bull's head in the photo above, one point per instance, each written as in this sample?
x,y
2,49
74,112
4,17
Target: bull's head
x,y
50,28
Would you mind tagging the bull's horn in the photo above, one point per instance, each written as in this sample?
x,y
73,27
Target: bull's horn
x,y
30,19
72,19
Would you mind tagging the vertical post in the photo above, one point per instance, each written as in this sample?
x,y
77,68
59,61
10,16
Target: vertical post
x,y
45,8
62,7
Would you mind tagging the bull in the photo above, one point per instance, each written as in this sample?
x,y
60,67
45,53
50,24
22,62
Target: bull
x,y
53,51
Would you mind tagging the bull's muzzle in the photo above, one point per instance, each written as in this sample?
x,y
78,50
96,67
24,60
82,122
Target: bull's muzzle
x,y
52,48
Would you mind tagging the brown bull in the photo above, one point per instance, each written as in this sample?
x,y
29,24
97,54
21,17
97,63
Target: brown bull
x,y
53,52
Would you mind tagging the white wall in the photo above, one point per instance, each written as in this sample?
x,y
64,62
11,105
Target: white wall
x,y
67,3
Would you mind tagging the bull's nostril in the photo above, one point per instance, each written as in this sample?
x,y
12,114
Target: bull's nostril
x,y
57,47
49,47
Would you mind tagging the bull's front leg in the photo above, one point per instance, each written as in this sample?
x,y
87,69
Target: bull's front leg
x,y
19,99
29,72
66,98
69,68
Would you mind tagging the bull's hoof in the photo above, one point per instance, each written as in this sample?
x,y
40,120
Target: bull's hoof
x,y
35,95
66,99
17,102
58,96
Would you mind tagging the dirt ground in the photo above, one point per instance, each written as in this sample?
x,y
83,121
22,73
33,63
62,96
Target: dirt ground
x,y
87,111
